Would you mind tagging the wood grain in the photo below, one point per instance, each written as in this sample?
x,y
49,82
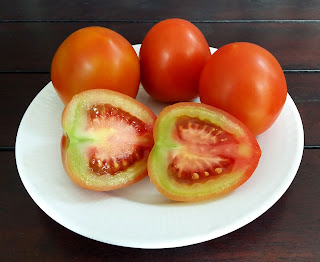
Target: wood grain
x,y
17,92
303,87
288,231
31,46
141,10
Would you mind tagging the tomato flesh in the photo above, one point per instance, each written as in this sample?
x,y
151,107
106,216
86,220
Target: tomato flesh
x,y
109,137
122,151
200,152
203,155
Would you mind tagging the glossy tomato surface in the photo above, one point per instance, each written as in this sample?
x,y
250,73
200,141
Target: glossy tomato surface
x,y
95,58
200,152
172,56
247,81
107,139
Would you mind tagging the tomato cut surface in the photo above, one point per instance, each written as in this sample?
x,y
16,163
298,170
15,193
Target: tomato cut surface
x,y
107,139
200,152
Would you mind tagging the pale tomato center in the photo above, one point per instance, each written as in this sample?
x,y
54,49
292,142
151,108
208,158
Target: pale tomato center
x,y
122,139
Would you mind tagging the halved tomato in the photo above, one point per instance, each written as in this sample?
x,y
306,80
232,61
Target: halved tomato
x,y
107,139
200,152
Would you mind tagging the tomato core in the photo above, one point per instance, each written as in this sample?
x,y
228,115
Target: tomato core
x,y
119,152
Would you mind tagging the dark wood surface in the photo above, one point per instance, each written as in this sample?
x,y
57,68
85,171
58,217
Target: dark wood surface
x,y
30,33
32,46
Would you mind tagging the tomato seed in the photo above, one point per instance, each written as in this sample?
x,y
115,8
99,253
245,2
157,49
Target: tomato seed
x,y
195,176
124,162
218,170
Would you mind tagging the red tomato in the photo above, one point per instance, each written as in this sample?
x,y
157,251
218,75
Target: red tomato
x,y
172,56
107,139
200,152
95,58
247,81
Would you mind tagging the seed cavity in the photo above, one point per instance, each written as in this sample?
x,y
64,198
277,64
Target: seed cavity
x,y
201,132
112,166
187,170
102,112
108,116
200,161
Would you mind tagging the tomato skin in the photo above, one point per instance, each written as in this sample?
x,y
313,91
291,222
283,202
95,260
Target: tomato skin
x,y
172,56
95,58
243,146
247,81
108,138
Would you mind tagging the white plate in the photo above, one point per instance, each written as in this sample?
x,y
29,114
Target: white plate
x,y
139,216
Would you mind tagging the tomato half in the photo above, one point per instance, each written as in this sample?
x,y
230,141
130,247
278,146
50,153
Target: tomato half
x,y
95,58
107,139
200,152
172,56
247,81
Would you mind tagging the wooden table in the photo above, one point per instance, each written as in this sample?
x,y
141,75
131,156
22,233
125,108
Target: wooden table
x,y
31,31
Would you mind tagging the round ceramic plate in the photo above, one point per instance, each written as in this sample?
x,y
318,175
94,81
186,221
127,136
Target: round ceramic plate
x,y
139,216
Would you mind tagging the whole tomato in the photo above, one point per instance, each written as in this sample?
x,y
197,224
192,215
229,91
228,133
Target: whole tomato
x,y
172,56
95,58
247,81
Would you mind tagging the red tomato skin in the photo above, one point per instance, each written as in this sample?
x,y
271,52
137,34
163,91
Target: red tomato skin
x,y
247,81
95,58
172,56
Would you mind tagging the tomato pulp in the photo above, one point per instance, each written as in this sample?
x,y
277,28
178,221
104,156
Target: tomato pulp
x,y
247,81
95,58
107,139
200,152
